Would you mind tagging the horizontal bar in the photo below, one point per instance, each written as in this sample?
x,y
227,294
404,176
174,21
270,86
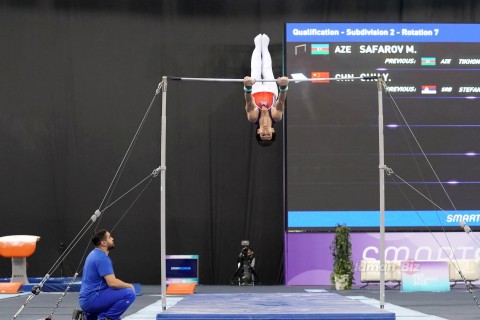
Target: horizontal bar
x,y
208,79
275,80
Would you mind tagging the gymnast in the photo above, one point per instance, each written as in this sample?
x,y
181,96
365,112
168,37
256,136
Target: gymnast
x,y
264,103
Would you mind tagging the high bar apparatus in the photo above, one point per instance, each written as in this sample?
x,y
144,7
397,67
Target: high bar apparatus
x,y
274,80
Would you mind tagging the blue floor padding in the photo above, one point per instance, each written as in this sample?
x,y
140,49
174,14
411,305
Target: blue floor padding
x,y
37,280
60,285
275,306
54,286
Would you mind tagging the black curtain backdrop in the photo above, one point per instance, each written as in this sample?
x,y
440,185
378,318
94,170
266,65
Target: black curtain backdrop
x,y
76,80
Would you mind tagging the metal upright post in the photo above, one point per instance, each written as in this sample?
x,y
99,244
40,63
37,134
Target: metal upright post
x,y
163,150
381,167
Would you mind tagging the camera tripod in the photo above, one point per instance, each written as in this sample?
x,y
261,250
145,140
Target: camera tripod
x,y
245,275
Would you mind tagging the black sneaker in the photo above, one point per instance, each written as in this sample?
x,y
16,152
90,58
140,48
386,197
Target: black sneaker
x,y
77,314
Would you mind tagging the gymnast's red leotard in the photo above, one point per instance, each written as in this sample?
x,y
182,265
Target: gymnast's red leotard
x,y
264,98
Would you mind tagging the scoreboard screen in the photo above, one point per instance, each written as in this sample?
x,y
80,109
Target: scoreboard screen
x,y
431,107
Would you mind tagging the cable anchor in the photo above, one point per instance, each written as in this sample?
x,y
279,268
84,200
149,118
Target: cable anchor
x,y
388,170
159,88
157,170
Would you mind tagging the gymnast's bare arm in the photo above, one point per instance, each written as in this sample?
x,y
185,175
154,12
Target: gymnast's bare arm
x,y
250,106
277,112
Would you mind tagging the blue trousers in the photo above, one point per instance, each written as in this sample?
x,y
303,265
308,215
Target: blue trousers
x,y
110,303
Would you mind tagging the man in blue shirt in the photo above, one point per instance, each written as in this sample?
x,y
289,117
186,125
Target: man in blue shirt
x,y
102,295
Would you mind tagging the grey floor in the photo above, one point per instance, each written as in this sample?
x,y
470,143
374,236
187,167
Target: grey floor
x,y
456,304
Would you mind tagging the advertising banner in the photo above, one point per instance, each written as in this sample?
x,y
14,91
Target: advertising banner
x,y
309,261
425,276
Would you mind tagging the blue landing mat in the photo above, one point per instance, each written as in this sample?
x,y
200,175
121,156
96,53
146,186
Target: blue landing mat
x,y
273,306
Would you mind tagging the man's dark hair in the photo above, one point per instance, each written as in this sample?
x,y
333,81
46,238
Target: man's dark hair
x,y
98,237
264,143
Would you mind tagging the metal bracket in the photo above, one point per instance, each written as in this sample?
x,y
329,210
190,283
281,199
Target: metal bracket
x,y
157,171
388,170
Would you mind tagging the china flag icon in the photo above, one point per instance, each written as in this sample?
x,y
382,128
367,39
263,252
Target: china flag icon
x,y
320,75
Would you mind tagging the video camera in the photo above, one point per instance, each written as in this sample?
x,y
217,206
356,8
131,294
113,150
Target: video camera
x,y
245,246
